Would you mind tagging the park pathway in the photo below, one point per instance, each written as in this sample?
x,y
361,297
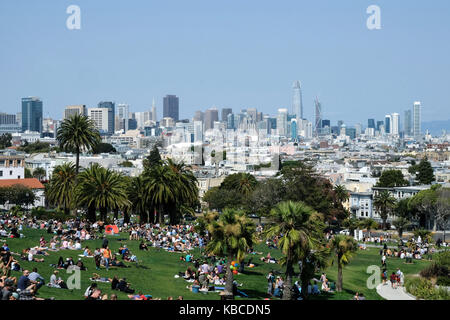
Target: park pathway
x,y
388,293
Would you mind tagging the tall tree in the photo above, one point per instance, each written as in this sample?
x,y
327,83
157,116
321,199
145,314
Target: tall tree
x,y
161,189
368,224
78,133
153,159
231,235
299,229
39,173
384,202
302,183
392,178
342,248
101,189
60,189
5,140
425,173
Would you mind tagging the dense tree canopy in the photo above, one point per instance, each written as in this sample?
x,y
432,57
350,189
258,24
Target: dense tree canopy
x,y
392,178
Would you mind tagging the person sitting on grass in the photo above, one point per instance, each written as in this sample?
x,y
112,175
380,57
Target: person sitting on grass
x,y
188,274
95,295
80,265
143,246
30,256
87,252
196,283
57,282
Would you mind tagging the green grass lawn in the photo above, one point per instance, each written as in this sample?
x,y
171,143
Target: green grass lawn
x,y
156,269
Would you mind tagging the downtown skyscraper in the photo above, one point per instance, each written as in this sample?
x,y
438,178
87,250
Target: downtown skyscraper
x,y
32,114
171,107
297,104
111,106
416,120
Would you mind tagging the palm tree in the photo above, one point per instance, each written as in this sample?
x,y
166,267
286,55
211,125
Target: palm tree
x,y
351,224
368,224
231,235
401,224
247,184
100,188
384,203
78,133
341,193
138,196
39,173
161,188
342,247
60,190
299,230
187,188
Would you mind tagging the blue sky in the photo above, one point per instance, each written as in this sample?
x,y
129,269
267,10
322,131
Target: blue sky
x,y
232,53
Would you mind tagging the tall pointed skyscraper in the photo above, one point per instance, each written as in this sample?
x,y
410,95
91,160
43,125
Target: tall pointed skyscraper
x,y
297,105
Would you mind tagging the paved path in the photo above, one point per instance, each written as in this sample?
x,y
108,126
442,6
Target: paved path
x,y
388,293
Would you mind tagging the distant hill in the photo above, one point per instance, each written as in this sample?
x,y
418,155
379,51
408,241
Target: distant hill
x,y
436,127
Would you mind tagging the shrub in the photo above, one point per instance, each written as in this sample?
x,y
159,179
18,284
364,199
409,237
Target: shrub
x,y
443,258
434,270
424,289
443,281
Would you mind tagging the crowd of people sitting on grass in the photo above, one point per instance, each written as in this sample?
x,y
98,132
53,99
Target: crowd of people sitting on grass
x,y
24,288
276,286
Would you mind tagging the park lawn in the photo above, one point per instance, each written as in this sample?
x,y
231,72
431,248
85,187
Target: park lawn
x,y
155,271
355,274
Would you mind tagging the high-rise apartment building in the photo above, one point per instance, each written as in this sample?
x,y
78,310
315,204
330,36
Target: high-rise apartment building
x,y
122,116
211,115
407,123
225,113
100,116
32,114
395,125
417,130
282,119
111,106
75,109
387,124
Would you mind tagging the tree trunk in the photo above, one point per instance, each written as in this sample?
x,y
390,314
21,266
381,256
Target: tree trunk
x,y
339,277
103,213
229,274
160,215
287,292
304,279
77,161
126,216
91,213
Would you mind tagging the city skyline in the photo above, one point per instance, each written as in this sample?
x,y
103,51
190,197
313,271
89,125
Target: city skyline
x,y
350,68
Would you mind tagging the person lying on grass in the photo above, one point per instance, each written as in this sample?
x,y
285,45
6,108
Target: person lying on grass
x,y
140,296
